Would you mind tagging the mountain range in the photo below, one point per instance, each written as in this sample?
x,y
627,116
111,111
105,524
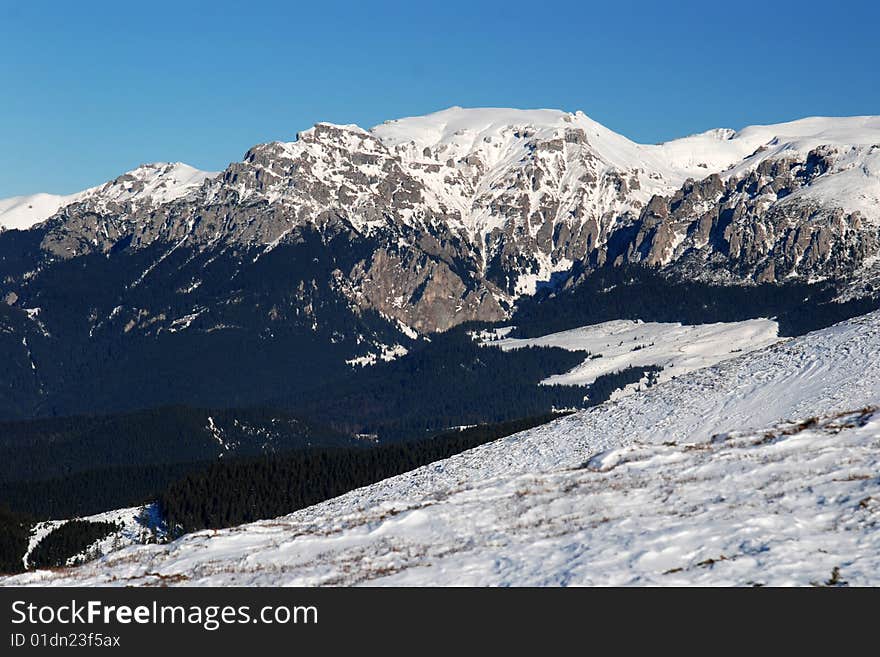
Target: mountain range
x,y
468,209
347,247
293,332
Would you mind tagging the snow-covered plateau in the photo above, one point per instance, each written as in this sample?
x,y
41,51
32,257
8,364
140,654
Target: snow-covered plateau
x,y
761,470
618,344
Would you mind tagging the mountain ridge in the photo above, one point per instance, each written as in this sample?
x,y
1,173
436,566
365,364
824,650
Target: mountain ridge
x,y
350,245
160,182
473,208
456,120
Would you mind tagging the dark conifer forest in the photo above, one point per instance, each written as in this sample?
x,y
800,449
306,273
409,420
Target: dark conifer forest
x,y
233,492
71,538
449,381
14,534
636,292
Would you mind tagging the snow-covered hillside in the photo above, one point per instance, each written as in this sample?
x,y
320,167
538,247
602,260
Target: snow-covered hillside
x,y
759,470
137,525
153,184
22,212
623,343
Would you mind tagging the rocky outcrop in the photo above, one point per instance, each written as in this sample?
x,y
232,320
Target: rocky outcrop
x,y
755,226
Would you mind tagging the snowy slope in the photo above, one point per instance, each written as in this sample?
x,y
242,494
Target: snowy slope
x,y
619,344
853,184
158,183
22,212
138,524
498,136
155,184
722,476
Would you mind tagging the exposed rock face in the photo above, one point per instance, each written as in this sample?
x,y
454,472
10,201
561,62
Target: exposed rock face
x,y
423,292
755,226
452,216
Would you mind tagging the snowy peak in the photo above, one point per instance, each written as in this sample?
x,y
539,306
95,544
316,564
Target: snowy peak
x,y
22,212
494,134
466,128
501,200
160,182
150,184
325,128
506,172
328,168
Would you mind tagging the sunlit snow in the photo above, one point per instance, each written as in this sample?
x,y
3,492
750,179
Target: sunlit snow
x,y
619,344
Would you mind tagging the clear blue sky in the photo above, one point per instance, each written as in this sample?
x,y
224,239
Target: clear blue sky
x,y
91,89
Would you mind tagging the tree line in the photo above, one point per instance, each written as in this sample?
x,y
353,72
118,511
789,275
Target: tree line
x,y
230,493
637,292
54,549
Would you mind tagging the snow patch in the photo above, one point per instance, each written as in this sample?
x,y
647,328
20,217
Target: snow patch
x,y
619,344
385,354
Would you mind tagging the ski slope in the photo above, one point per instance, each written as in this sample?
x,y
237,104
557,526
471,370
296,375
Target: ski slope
x,y
759,470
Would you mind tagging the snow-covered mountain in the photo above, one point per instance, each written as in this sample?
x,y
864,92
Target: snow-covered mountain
x,y
553,188
22,212
759,470
149,184
465,210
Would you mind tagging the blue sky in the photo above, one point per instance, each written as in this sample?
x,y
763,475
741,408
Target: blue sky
x,y
91,89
